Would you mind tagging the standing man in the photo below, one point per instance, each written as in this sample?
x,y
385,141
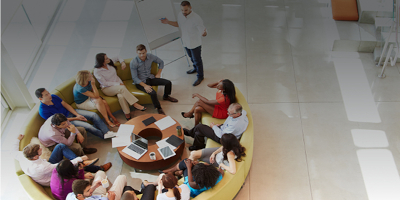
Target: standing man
x,y
192,29
143,79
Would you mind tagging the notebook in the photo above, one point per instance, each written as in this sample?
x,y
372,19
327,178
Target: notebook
x,y
149,121
175,141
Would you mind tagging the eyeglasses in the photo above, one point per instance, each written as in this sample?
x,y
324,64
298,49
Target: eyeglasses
x,y
231,113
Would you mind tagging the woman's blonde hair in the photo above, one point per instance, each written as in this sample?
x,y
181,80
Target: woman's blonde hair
x,y
82,78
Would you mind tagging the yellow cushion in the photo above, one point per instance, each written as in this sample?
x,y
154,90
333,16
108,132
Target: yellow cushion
x,y
34,190
65,89
143,97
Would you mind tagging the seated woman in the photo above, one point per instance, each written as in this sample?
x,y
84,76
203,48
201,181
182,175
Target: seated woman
x,y
62,177
223,157
226,95
87,97
168,188
199,177
106,73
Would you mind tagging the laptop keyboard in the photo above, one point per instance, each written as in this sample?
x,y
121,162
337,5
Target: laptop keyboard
x,y
140,143
135,149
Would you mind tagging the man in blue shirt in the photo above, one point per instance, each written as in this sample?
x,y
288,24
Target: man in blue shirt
x,y
142,77
52,104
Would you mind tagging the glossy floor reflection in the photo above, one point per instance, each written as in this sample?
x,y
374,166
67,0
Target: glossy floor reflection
x,y
278,53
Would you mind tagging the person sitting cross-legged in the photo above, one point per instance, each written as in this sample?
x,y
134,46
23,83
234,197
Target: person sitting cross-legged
x,y
236,124
40,170
57,129
83,190
106,73
143,79
51,104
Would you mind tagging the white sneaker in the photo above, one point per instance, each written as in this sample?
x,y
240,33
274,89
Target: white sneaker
x,y
110,134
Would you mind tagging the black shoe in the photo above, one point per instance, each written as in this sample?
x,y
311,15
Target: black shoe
x,y
89,150
160,111
186,132
171,99
183,115
194,148
198,81
192,71
137,192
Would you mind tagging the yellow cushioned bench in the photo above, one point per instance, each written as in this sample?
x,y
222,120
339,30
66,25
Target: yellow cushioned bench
x,y
226,189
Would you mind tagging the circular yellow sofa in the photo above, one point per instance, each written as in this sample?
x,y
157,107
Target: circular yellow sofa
x,y
226,189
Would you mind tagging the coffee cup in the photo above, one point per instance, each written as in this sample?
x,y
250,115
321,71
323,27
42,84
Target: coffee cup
x,y
105,183
152,155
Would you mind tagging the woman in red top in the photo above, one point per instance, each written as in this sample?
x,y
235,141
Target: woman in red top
x,y
226,95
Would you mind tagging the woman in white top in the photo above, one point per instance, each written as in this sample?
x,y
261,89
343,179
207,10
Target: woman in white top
x,y
223,157
168,188
170,182
111,85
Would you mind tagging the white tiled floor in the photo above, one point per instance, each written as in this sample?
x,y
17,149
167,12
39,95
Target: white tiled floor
x,y
278,53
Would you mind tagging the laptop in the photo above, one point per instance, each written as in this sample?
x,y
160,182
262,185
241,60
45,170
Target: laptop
x,y
137,148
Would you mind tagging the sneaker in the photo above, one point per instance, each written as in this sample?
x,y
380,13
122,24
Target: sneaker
x,y
106,166
89,150
110,134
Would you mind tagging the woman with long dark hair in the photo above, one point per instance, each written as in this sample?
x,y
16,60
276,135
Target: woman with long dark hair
x,y
106,73
223,157
62,177
226,95
199,177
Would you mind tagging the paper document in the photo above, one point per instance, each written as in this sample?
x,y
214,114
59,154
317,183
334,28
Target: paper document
x,y
163,143
165,123
120,141
123,137
125,129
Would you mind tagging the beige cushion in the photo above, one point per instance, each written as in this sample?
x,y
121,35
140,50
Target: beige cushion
x,y
46,153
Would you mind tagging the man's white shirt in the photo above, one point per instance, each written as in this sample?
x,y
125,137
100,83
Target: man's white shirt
x,y
192,29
